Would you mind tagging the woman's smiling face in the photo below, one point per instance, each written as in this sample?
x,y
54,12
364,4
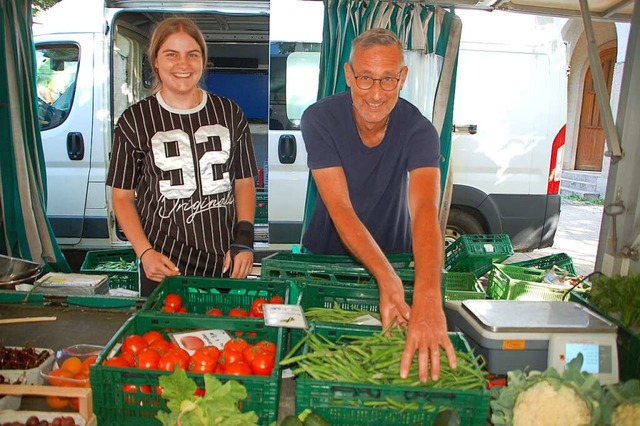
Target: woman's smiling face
x,y
180,64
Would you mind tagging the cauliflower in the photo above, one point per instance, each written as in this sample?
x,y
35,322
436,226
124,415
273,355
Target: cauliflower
x,y
626,415
548,398
621,404
543,404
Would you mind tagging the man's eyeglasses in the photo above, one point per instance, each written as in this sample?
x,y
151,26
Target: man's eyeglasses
x,y
364,82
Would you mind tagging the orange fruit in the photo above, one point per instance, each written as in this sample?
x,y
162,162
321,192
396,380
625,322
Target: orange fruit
x,y
57,402
72,364
81,380
58,377
87,363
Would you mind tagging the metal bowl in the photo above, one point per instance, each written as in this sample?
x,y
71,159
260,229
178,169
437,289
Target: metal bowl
x,y
13,269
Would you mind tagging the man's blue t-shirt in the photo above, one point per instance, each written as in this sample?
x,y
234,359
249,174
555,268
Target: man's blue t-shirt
x,y
377,177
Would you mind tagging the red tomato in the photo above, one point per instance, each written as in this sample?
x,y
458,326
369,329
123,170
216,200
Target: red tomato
x,y
116,361
182,354
129,358
161,346
134,344
170,309
152,336
236,344
199,392
238,312
229,357
249,353
211,351
267,346
182,310
262,364
173,301
172,360
256,308
215,312
202,363
238,368
276,300
130,388
146,389
148,359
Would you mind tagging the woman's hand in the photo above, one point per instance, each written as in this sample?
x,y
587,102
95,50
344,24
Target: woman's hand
x,y
157,266
242,264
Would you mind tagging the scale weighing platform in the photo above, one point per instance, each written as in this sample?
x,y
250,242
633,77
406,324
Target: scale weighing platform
x,y
534,335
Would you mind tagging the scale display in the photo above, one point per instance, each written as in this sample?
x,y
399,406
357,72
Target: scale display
x,y
599,354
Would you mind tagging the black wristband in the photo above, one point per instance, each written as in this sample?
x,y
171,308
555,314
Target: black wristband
x,y
244,234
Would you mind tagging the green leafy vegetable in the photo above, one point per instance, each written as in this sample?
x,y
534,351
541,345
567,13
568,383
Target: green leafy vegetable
x,y
619,296
219,405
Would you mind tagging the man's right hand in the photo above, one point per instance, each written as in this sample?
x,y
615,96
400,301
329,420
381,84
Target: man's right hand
x,y
393,306
157,266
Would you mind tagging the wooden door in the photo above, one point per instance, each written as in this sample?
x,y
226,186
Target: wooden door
x,y
591,138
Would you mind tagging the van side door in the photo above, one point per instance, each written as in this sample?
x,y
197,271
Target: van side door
x,y
65,112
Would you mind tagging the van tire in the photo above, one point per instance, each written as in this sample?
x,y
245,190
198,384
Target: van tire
x,y
462,221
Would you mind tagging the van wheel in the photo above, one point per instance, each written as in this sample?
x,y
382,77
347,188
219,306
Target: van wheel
x,y
461,222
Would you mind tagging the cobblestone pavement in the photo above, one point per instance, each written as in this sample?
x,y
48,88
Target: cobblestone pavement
x,y
577,236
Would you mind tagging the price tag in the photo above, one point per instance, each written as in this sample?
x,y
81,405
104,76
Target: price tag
x,y
192,340
287,316
367,320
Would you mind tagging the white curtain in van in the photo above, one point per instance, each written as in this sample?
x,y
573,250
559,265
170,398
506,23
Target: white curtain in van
x,y
25,231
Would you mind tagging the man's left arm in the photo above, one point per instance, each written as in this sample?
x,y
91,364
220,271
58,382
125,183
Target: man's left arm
x,y
427,324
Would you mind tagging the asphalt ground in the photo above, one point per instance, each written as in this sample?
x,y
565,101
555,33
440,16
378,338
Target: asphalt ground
x,y
577,236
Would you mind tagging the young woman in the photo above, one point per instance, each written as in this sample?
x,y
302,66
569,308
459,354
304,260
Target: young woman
x,y
182,169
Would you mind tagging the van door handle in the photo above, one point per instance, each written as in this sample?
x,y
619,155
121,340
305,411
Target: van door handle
x,y
472,129
75,146
287,149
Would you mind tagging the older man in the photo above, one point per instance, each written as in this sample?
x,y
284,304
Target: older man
x,y
375,160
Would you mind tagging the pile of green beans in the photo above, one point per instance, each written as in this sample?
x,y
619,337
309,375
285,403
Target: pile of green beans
x,y
117,265
336,314
375,359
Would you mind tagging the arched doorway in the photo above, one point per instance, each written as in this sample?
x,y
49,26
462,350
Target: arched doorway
x,y
591,138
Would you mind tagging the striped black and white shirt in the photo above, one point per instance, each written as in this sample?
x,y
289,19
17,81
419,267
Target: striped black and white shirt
x,y
183,165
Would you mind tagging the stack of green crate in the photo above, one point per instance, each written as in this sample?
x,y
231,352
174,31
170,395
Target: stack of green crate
x,y
477,252
343,270
462,286
344,403
113,406
508,282
199,294
120,265
262,207
561,260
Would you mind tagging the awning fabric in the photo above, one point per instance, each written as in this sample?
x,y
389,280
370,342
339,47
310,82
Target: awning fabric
x,y
25,231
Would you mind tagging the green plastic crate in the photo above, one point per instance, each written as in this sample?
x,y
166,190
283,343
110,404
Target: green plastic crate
x,y
477,252
343,270
517,283
199,294
262,207
317,295
25,298
350,403
118,278
113,406
561,260
462,286
628,341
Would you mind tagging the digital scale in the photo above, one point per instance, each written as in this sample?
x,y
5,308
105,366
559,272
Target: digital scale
x,y
534,335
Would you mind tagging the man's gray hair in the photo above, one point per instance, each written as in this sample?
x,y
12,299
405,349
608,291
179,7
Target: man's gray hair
x,y
375,37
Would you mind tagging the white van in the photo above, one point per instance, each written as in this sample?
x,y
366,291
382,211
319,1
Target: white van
x,y
90,70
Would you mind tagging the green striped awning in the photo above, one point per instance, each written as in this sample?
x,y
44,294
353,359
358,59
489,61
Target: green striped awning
x,y
25,231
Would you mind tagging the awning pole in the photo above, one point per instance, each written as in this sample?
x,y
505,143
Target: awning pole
x,y
602,95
